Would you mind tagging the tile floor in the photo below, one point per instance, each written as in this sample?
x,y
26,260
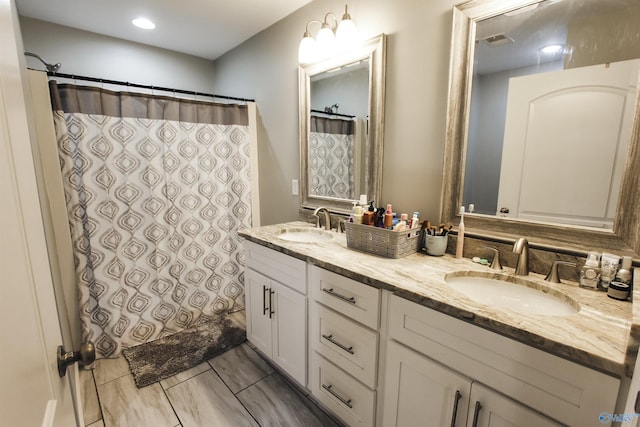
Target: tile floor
x,y
237,388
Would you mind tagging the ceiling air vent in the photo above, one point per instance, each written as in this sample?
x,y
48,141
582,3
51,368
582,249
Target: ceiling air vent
x,y
497,40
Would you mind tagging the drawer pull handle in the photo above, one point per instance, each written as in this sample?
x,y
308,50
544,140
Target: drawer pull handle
x,y
456,399
476,414
331,292
347,402
336,343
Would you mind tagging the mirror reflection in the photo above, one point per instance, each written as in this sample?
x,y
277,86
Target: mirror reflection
x,y
341,121
551,111
338,131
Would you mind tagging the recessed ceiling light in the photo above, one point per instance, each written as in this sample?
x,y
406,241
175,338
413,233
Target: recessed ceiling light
x,y
552,48
143,23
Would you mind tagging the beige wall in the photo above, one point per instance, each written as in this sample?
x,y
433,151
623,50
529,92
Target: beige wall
x,y
265,68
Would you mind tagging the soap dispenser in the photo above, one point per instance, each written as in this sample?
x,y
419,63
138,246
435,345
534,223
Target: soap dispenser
x,y
590,272
369,216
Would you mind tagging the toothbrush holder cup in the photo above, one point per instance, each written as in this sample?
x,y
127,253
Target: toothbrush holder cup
x,y
436,245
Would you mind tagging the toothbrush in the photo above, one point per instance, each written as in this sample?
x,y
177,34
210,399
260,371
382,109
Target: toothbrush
x,y
460,240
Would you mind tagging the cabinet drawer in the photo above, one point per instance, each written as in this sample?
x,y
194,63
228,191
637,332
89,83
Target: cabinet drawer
x,y
287,270
344,342
353,299
556,387
351,401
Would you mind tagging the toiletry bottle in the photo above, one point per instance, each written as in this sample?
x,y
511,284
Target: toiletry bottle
x,y
460,240
357,216
402,224
388,217
590,271
415,220
368,217
624,274
363,202
608,269
380,217
352,214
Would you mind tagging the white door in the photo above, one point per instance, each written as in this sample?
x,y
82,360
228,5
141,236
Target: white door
x,y
565,144
31,391
421,392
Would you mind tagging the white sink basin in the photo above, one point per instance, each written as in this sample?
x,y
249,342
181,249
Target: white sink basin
x,y
305,235
516,297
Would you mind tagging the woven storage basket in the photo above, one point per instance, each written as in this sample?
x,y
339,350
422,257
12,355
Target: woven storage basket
x,y
383,242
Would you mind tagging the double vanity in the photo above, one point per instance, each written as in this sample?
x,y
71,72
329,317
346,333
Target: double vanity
x,y
425,340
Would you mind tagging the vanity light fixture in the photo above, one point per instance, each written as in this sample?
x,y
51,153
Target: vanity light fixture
x,y
144,23
329,38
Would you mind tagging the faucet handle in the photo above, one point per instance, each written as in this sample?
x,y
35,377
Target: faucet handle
x,y
553,275
495,262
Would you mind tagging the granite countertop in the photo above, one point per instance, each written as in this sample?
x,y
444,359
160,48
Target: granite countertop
x,y
603,335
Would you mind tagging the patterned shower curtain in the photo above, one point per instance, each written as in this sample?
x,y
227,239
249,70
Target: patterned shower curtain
x,y
331,158
156,190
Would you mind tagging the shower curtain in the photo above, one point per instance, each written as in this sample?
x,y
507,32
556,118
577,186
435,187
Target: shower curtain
x,y
156,190
331,158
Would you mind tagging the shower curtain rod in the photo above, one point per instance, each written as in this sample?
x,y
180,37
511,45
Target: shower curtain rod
x,y
141,86
332,114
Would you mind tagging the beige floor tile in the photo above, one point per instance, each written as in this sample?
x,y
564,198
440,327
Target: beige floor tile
x,y
274,402
240,367
90,403
184,375
204,400
124,405
110,369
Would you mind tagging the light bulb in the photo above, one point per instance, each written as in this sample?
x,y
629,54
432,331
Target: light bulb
x,y
325,40
307,52
346,32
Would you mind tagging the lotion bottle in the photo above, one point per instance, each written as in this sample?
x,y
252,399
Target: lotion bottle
x,y
590,272
388,217
624,274
460,240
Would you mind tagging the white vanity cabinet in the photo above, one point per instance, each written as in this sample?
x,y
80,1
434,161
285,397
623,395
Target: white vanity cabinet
x,y
421,392
434,360
344,318
276,307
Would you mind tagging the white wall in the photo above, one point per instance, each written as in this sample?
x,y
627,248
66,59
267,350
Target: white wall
x,y
89,54
265,68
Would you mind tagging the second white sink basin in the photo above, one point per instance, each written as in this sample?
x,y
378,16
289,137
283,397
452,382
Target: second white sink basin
x,y
305,235
516,297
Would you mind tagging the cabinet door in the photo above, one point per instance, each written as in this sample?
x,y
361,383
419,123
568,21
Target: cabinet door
x,y
490,409
419,391
289,328
257,308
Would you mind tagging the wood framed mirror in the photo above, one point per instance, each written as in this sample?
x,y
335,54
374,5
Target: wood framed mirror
x,y
585,26
341,114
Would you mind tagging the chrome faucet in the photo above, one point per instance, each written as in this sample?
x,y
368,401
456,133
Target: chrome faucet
x,y
327,218
521,247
